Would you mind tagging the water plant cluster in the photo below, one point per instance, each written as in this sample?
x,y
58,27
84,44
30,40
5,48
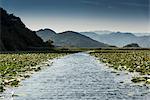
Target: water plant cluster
x,y
130,60
15,67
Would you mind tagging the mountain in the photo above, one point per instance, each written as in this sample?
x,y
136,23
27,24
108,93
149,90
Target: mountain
x,y
92,35
69,39
102,32
14,35
132,45
119,39
46,34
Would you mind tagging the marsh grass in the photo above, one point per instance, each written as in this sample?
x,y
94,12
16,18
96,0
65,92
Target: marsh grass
x,y
130,60
15,66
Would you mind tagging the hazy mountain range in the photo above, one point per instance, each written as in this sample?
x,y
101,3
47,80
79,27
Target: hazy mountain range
x,y
108,32
69,39
119,39
15,36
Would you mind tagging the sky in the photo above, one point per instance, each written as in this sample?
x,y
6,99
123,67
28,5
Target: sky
x,y
82,15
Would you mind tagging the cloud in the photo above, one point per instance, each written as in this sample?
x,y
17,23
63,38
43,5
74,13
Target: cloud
x,y
89,2
135,4
114,3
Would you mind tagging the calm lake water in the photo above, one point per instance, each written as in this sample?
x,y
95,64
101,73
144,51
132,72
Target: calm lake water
x,y
78,77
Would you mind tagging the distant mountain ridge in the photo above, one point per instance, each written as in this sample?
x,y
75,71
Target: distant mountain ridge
x,y
69,39
120,39
15,36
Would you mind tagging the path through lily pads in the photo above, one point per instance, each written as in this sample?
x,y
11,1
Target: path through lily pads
x,y
78,77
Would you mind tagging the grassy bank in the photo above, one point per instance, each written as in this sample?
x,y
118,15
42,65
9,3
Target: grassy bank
x,y
130,60
17,66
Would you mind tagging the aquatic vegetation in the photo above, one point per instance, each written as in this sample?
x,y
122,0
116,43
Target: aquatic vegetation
x,y
139,79
130,60
15,67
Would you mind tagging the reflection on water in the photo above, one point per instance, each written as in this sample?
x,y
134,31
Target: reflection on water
x,y
78,77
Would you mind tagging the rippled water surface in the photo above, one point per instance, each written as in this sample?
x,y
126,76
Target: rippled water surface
x,y
78,77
